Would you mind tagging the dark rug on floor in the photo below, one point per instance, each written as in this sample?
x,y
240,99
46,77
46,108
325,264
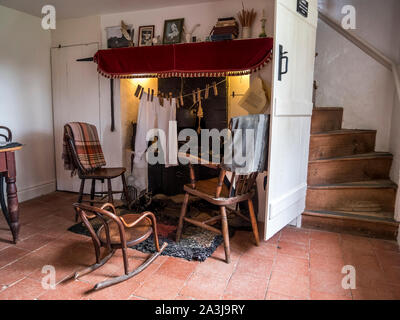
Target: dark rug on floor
x,y
196,243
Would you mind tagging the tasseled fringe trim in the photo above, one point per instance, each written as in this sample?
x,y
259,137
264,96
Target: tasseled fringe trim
x,y
189,74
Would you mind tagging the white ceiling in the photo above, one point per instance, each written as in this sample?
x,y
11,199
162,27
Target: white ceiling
x,y
81,8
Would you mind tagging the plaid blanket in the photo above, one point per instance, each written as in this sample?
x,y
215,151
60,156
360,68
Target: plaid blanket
x,y
87,146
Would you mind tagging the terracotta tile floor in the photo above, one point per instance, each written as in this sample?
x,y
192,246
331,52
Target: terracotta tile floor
x,y
294,264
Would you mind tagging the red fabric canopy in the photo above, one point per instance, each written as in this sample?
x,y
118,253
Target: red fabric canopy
x,y
203,59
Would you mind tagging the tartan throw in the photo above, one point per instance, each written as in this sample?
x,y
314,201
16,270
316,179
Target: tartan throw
x,y
87,146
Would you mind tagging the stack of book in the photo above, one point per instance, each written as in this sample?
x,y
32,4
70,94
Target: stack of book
x,y
225,29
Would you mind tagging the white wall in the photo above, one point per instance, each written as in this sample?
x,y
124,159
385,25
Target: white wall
x,y
25,99
76,31
349,78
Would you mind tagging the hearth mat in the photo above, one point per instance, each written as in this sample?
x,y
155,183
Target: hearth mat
x,y
196,243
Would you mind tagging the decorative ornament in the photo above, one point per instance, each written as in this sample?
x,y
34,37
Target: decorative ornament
x,y
125,33
188,34
263,20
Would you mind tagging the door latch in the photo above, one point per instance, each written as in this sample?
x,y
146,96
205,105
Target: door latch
x,y
282,56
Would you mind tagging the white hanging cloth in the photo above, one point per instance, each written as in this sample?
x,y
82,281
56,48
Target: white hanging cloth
x,y
152,115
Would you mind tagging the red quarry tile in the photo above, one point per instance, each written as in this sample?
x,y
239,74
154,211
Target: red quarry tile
x,y
120,291
9,275
72,290
11,254
133,297
265,250
63,271
247,287
254,265
304,253
293,249
74,238
290,285
392,276
103,273
274,239
27,264
293,265
34,242
78,255
369,277
357,245
4,244
369,273
386,259
159,287
326,263
384,245
242,241
32,220
328,282
396,292
25,232
219,255
375,293
177,268
300,236
324,236
26,289
147,273
51,223
326,248
315,295
204,287
277,296
179,297
216,268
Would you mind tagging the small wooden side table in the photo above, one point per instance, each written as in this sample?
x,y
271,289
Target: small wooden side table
x,y
8,172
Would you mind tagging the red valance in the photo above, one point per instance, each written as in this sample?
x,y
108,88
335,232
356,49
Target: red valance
x,y
203,59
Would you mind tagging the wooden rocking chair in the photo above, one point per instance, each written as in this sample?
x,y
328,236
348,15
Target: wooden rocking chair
x,y
118,232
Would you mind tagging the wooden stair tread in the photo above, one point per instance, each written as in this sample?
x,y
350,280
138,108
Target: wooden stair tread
x,y
362,156
349,188
341,131
371,184
327,108
385,217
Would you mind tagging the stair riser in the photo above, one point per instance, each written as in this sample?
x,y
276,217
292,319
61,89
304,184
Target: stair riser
x,y
361,228
326,120
337,145
339,171
351,199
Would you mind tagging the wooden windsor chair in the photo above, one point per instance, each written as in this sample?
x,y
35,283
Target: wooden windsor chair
x,y
100,174
215,191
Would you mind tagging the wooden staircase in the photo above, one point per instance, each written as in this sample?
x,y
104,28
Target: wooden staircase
x,y
349,189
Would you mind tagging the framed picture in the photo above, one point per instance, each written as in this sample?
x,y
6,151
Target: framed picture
x,y
115,39
173,31
146,35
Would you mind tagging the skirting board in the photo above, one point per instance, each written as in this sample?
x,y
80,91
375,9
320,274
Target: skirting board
x,y
36,191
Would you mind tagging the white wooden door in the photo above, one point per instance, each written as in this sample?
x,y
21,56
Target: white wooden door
x,y
291,114
75,98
